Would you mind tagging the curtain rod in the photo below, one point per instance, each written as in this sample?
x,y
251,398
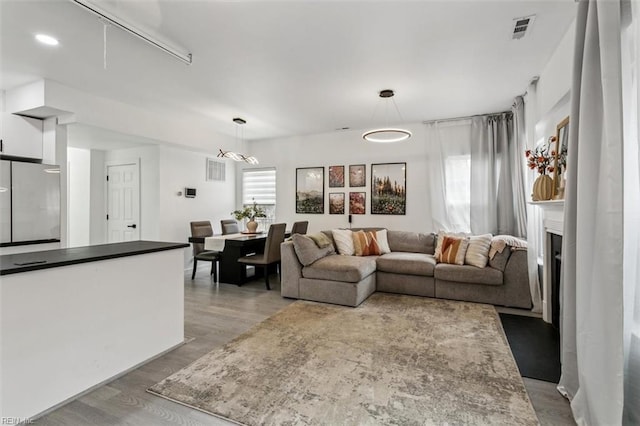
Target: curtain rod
x,y
444,120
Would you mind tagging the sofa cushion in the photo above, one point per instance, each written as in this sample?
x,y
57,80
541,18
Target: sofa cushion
x,y
343,240
467,274
413,242
341,268
500,259
407,263
307,250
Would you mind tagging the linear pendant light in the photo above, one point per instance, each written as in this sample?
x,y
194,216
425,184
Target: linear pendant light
x,y
387,134
236,156
115,21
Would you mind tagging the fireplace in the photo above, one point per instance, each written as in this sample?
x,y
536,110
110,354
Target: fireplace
x,y
552,220
555,260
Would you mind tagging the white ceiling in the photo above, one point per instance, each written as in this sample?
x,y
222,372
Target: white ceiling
x,y
290,67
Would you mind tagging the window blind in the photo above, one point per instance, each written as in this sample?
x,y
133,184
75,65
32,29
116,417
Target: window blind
x,y
259,185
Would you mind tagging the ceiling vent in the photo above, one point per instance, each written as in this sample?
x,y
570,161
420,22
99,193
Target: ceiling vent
x,y
521,26
215,170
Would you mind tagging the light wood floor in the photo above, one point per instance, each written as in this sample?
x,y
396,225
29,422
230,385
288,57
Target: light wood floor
x,y
213,316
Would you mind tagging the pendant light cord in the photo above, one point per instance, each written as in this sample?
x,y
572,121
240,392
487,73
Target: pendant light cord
x,y
104,44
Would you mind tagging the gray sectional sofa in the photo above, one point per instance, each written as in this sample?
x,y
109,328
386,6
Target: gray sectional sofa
x,y
411,269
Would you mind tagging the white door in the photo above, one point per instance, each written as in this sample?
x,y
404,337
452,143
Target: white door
x,y
123,203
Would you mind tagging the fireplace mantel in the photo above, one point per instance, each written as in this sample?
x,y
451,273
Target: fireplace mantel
x,y
553,222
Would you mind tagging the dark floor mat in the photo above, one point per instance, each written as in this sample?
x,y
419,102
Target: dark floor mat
x,y
535,345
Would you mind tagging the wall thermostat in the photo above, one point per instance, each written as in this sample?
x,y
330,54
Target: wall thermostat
x,y
190,192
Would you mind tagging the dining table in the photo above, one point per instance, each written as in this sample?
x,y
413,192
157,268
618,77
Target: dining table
x,y
232,247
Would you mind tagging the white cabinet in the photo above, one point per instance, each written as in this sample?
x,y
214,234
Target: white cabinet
x,y
21,136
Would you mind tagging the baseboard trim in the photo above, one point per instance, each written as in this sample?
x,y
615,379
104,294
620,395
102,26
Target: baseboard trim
x,y
104,382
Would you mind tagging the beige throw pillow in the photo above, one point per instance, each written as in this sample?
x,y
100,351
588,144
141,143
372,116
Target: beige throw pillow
x,y
344,241
478,250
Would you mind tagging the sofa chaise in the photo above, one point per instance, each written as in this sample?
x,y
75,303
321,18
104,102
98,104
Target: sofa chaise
x,y
409,268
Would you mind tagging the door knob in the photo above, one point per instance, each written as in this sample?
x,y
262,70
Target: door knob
x,y
132,226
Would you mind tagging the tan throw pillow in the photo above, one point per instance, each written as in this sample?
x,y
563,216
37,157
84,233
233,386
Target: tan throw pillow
x,y
383,243
453,250
365,243
344,241
320,239
478,250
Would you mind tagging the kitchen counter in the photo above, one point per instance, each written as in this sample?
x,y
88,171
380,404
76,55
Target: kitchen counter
x,y
73,319
24,262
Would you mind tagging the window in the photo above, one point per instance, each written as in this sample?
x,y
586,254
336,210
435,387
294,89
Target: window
x,y
457,169
259,186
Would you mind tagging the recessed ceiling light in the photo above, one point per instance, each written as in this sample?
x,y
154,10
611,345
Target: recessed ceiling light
x,y
46,39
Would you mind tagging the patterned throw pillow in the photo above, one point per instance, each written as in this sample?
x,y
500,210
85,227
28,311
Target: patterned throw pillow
x,y
453,250
478,251
440,238
365,243
344,241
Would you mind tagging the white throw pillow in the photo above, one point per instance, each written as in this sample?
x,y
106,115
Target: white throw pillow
x,y
344,241
478,250
383,243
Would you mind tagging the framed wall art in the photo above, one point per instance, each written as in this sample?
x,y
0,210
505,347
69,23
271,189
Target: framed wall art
x,y
357,202
310,190
336,176
388,188
336,203
357,175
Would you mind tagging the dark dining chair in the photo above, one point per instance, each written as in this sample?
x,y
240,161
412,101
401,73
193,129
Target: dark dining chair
x,y
300,227
271,255
229,226
202,229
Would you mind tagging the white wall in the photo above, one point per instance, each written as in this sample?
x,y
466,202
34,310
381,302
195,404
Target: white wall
x,y
553,89
98,209
79,170
345,148
214,200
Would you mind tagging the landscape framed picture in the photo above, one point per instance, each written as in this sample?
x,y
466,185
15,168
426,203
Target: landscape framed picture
x,y
389,188
357,175
310,190
357,202
336,203
336,176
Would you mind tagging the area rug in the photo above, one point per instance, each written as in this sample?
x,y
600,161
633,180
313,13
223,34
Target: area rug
x,y
393,360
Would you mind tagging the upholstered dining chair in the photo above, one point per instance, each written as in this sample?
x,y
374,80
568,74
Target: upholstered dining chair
x,y
300,227
271,255
229,226
202,229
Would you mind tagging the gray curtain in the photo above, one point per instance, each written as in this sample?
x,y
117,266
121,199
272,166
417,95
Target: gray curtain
x,y
497,187
592,248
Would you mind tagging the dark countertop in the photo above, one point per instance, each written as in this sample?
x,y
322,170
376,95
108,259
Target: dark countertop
x,y
24,262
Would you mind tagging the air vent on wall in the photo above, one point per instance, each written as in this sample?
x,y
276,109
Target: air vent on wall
x,y
215,170
522,25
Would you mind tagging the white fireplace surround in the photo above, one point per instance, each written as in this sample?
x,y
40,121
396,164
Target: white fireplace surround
x,y
553,222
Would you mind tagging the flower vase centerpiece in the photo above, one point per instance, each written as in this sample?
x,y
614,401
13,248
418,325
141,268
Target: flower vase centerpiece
x,y
251,213
541,159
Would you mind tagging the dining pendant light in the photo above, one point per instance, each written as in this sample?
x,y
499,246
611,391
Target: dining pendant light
x,y
387,134
236,156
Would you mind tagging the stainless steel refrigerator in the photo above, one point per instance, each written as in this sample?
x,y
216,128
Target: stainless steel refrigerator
x,y
29,202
